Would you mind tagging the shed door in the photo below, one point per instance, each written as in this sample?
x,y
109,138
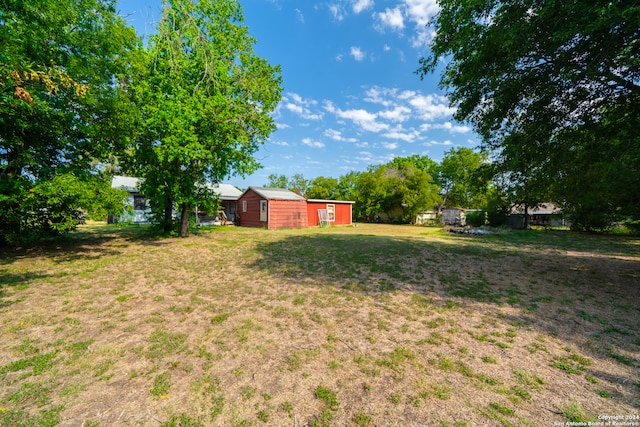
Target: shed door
x,y
263,210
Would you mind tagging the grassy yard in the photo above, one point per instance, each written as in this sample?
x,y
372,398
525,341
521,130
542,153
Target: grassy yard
x,y
373,325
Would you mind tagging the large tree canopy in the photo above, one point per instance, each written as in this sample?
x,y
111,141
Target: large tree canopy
x,y
459,180
555,75
63,64
400,189
206,100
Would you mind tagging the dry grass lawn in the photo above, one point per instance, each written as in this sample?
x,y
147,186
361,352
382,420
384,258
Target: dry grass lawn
x,y
372,325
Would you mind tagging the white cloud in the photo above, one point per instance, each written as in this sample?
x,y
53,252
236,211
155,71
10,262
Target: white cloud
x,y
398,114
390,145
364,119
390,18
312,143
299,15
301,106
360,5
448,126
420,12
382,96
365,157
337,11
434,142
386,47
281,143
337,136
401,134
357,53
431,107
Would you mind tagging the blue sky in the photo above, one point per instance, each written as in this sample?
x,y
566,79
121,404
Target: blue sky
x,y
351,97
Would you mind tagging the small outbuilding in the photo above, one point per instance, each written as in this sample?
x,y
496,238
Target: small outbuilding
x,y
271,208
338,212
454,216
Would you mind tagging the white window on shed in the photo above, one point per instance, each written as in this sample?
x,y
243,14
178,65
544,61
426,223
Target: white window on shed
x,y
263,210
331,212
244,206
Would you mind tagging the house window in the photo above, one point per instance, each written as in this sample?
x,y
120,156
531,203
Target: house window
x,y
331,212
263,210
139,202
244,206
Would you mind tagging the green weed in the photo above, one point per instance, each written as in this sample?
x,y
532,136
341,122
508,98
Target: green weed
x,y
328,396
502,409
564,365
38,364
164,343
218,319
161,385
362,419
574,413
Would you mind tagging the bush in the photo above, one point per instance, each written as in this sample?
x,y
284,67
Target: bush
x,y
476,218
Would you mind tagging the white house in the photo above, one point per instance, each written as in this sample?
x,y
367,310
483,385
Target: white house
x,y
140,214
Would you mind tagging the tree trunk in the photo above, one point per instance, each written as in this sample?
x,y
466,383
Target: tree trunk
x,y
184,220
526,216
167,220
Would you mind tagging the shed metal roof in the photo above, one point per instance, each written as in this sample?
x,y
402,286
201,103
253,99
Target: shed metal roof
x,y
127,183
226,191
276,194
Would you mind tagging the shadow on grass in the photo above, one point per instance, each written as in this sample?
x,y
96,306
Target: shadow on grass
x,y
10,282
86,243
565,288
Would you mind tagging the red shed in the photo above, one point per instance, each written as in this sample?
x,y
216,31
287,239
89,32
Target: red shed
x,y
339,212
272,208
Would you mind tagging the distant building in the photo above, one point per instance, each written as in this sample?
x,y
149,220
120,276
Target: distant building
x,y
454,216
544,215
275,208
228,195
141,212
426,218
338,212
272,208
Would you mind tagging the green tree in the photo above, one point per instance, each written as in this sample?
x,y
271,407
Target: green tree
x,y
63,74
324,188
459,179
555,72
277,181
398,189
206,100
524,178
596,187
348,186
297,183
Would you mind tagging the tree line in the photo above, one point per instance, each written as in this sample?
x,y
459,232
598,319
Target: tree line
x,y
552,88
403,187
